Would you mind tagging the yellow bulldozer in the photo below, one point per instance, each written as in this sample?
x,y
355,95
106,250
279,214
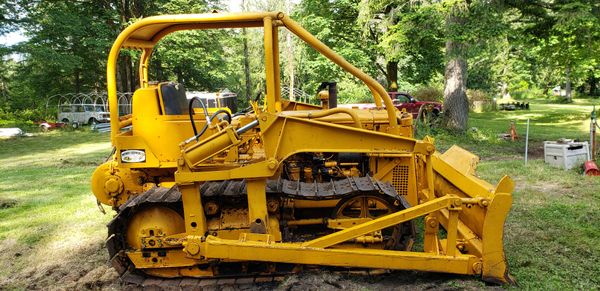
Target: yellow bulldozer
x,y
286,185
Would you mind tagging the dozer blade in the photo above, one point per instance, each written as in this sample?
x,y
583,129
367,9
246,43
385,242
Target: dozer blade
x,y
480,228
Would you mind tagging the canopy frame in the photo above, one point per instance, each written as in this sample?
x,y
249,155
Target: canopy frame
x,y
146,33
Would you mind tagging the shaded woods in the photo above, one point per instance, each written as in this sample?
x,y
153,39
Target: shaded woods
x,y
501,48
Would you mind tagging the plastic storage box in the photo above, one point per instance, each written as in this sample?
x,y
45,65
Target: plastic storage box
x,y
565,155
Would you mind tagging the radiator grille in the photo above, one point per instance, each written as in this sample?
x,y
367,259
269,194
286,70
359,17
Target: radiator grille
x,y
400,179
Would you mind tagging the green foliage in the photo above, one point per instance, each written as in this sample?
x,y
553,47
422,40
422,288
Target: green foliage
x,y
428,93
410,35
521,49
194,58
64,53
421,46
478,95
349,91
332,23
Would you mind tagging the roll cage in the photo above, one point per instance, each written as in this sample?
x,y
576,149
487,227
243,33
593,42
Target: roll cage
x,y
143,35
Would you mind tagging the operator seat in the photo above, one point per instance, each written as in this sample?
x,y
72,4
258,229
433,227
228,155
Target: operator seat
x,y
173,98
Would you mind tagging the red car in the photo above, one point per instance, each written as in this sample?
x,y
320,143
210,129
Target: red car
x,y
47,126
403,100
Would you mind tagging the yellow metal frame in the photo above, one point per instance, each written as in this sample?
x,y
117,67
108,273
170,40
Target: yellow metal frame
x,y
445,192
145,34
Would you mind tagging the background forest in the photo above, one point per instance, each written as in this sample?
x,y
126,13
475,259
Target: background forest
x,y
451,50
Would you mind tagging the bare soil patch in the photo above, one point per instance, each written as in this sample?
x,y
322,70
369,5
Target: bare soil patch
x,y
398,280
7,203
87,269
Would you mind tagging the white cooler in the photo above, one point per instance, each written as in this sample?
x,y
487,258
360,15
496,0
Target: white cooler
x,y
566,155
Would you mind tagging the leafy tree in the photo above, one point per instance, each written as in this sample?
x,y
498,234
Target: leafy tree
x,y
574,41
64,52
502,46
11,15
562,40
334,24
461,24
407,39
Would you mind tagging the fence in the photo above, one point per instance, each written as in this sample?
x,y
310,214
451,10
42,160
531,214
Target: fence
x,y
95,99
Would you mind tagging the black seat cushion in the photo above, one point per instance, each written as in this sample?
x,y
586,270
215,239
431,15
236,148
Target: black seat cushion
x,y
174,98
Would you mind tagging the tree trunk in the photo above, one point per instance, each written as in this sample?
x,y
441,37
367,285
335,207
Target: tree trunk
x,y
290,56
120,77
135,77
128,74
77,81
568,83
456,104
391,69
504,90
179,75
290,64
593,82
505,69
247,65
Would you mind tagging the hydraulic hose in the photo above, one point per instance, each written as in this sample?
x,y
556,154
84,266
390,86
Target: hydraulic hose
x,y
191,113
219,112
208,118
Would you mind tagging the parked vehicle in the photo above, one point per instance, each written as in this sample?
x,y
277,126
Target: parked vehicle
x,y
77,114
411,104
216,100
47,126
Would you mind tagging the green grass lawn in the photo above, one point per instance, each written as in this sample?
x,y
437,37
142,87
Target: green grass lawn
x,y
48,215
552,234
52,233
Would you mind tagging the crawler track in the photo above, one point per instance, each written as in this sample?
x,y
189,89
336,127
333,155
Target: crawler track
x,y
134,279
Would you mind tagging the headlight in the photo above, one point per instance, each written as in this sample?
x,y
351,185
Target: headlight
x,y
133,156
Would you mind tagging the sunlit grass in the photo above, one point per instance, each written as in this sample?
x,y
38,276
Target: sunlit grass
x,y
51,232
547,122
552,238
54,219
552,235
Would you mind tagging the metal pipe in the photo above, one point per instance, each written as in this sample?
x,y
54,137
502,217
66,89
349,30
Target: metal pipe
x,y
191,114
226,20
138,44
593,125
247,127
308,221
276,68
430,177
203,26
340,61
143,67
125,123
269,61
324,113
526,141
332,90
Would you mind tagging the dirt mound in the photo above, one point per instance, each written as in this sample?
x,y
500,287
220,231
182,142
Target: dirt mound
x,y
84,270
102,276
319,281
87,269
400,280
